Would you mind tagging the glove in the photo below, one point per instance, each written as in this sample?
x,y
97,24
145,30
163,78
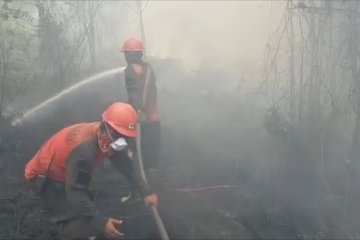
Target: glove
x,y
151,200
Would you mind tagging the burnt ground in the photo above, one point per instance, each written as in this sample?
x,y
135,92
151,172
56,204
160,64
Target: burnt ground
x,y
209,142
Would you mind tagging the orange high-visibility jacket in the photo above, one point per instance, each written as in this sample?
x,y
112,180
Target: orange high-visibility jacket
x,y
58,148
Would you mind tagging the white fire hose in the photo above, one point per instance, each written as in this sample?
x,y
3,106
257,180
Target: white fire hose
x,y
159,223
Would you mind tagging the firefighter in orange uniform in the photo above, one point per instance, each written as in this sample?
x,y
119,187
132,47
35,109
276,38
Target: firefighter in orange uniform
x,y
61,171
142,95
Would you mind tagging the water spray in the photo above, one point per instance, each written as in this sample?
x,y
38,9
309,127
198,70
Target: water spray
x,y
43,104
28,114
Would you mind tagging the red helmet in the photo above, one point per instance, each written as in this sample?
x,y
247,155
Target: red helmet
x,y
132,44
122,117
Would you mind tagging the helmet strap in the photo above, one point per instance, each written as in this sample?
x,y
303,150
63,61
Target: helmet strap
x,y
104,141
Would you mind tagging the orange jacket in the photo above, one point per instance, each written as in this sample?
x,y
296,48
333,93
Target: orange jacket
x,y
58,148
141,90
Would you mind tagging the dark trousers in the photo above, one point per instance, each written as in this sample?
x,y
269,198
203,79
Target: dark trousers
x,y
150,143
69,225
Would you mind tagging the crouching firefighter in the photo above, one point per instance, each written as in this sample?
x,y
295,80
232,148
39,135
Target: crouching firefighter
x,y
61,172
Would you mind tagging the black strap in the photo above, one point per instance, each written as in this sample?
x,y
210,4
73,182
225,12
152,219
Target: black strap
x,y
146,84
49,166
51,161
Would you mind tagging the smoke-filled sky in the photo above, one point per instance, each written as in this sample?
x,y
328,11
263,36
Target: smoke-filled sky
x,y
219,33
229,36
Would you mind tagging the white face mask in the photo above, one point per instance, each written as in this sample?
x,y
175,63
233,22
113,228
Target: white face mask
x,y
119,145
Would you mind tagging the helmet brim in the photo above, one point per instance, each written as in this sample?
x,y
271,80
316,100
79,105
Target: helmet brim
x,y
124,131
132,50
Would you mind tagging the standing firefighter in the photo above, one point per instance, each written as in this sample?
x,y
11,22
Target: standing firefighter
x,y
61,171
142,95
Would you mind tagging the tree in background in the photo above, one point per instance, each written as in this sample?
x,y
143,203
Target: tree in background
x,y
311,73
47,44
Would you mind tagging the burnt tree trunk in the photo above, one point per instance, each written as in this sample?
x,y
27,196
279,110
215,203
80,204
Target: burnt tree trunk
x,y
91,35
292,56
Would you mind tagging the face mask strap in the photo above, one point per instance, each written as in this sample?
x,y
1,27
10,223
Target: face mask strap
x,y
108,133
